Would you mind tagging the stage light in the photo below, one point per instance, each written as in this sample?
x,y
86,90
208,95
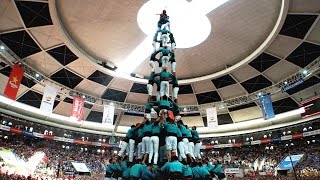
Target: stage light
x,y
289,132
291,144
63,146
305,129
103,151
271,147
115,152
308,142
285,82
233,141
83,96
264,136
2,47
304,72
37,75
5,137
313,141
104,140
85,149
259,94
229,141
284,133
67,147
100,140
267,147
216,142
247,139
98,150
310,127
81,149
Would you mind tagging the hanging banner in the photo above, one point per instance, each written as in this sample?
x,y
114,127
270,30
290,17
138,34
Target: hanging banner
x,y
212,119
266,106
14,82
48,98
108,114
77,108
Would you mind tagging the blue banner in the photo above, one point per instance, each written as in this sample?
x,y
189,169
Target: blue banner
x,y
288,163
266,106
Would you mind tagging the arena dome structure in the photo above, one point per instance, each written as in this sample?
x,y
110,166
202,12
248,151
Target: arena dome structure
x,y
229,53
86,49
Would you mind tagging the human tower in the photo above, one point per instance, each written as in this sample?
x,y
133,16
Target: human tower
x,y
165,137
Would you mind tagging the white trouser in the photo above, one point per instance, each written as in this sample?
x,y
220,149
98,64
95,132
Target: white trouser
x,y
164,88
153,65
171,143
186,145
164,39
139,154
123,148
158,96
173,46
196,151
191,149
165,61
149,89
145,145
131,149
182,154
154,149
154,44
175,93
173,67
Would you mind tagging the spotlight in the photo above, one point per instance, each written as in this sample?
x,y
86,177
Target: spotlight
x,y
289,132
85,149
284,133
111,104
313,141
271,147
305,129
229,141
310,128
5,137
63,146
98,150
115,152
305,72
291,144
247,139
83,96
184,109
308,142
81,149
37,75
2,47
212,142
104,140
103,151
259,94
100,140
269,135
251,138
267,147
285,82
233,141
216,142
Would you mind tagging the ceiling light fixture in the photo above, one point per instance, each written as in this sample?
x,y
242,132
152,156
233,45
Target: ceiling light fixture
x,y
186,18
2,47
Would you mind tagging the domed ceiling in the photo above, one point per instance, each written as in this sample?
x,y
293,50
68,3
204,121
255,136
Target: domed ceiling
x,y
252,45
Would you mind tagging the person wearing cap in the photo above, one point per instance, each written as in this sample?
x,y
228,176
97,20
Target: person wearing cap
x,y
173,168
129,139
154,140
196,141
172,132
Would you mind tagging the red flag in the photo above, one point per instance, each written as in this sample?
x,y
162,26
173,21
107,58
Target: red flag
x,y
77,108
14,82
